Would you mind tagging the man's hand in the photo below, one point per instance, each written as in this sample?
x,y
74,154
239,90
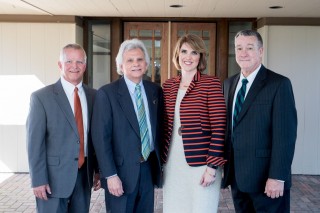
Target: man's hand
x,y
41,191
115,186
274,188
96,182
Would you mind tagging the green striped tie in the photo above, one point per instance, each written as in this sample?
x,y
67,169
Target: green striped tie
x,y
144,134
239,101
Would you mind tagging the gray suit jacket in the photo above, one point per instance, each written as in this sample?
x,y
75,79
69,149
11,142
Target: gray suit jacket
x,y
261,146
116,135
53,140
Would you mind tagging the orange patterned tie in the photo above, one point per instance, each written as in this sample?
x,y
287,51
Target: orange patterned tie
x,y
79,121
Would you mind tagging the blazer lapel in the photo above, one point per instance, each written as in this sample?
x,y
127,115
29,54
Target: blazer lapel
x,y
64,105
196,78
173,97
255,88
127,107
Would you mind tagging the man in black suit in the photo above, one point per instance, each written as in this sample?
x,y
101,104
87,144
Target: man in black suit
x,y
120,143
260,139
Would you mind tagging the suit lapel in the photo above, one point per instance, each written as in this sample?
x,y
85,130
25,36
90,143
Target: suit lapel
x,y
64,105
89,102
127,107
232,91
152,106
255,88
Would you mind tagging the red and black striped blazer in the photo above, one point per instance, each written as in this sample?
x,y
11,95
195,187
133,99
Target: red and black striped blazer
x,y
202,116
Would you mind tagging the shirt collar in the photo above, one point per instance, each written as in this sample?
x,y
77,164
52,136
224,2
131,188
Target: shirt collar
x,y
69,88
131,85
252,76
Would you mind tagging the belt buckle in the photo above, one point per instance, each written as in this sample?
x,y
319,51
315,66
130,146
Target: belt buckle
x,y
142,160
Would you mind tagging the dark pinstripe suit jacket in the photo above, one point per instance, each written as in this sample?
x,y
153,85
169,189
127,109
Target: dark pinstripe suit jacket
x,y
202,116
263,140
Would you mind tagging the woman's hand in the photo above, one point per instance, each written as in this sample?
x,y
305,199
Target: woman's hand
x,y
208,177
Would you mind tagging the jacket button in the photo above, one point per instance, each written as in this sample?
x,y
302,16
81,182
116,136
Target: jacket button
x,y
76,159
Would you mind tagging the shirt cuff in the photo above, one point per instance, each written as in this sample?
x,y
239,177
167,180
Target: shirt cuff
x,y
111,176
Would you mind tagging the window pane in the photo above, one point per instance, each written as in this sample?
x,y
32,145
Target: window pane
x,y
157,33
133,33
145,33
99,55
181,33
206,34
196,32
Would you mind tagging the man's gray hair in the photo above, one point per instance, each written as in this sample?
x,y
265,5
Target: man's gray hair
x,y
130,45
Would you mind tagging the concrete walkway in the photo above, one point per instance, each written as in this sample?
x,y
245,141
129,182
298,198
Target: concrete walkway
x,y
16,196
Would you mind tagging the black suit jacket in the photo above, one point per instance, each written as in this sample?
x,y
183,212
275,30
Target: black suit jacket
x,y
261,146
116,134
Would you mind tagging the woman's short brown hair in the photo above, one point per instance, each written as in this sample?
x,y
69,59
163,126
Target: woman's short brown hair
x,y
197,44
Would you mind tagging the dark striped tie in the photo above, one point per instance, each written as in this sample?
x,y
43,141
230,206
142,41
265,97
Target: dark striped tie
x,y
239,101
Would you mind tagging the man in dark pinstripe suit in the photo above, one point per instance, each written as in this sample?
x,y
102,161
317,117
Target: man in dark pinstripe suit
x,y
260,141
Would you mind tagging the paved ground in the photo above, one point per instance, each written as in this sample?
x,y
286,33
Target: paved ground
x,y
16,196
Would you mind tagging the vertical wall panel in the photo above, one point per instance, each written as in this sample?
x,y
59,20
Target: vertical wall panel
x,y
23,49
9,48
28,61
294,51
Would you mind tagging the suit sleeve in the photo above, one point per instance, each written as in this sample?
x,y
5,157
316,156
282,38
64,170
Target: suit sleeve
x,y
284,131
102,129
217,115
36,144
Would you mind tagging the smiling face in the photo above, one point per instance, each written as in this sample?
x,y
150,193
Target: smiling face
x,y
188,58
134,64
248,53
73,65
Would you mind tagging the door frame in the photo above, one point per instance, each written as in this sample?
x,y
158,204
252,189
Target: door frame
x,y
169,37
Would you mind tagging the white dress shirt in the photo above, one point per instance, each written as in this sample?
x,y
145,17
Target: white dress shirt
x,y
69,90
131,87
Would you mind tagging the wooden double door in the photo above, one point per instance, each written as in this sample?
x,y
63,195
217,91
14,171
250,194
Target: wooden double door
x,y
160,39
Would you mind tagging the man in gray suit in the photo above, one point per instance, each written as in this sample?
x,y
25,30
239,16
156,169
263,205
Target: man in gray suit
x,y
261,131
128,150
60,151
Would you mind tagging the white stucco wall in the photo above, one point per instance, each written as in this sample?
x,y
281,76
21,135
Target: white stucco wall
x,y
294,51
29,53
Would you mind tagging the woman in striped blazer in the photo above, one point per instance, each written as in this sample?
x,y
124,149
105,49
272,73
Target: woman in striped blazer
x,y
194,128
